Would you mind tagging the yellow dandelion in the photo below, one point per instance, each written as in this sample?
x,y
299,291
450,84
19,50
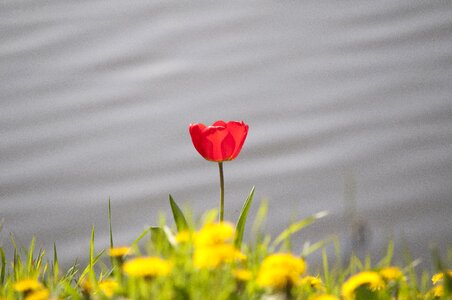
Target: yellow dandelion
x,y
27,285
324,297
280,270
183,236
242,274
108,287
436,292
213,234
438,277
313,282
371,279
214,256
147,267
391,273
42,294
119,251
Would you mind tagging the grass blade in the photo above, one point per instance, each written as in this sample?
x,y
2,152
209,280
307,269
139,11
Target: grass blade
x,y
55,262
309,248
179,218
109,223
138,239
91,258
87,270
30,256
3,269
386,261
295,227
240,227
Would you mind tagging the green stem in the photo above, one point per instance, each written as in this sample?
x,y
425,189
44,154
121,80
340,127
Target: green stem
x,y
220,167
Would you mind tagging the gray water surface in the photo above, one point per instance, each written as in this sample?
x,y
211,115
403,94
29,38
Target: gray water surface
x,y
96,98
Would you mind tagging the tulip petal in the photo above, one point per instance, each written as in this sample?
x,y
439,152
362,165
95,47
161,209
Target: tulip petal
x,y
227,147
196,134
217,143
239,131
220,123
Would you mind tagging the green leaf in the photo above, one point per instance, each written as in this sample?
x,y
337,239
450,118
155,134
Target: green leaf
x,y
309,248
91,257
179,218
162,239
138,239
240,227
31,250
87,270
109,223
386,261
3,269
295,227
55,262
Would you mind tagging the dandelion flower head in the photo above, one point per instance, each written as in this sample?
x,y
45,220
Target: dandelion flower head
x,y
147,267
371,279
42,294
214,256
391,273
119,251
213,234
280,270
27,285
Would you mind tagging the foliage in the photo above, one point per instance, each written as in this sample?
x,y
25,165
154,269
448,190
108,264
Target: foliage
x,y
211,260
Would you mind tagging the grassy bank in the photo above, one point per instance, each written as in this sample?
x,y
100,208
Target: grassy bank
x,y
208,259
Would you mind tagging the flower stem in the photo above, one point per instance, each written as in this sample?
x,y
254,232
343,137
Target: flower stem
x,y
220,167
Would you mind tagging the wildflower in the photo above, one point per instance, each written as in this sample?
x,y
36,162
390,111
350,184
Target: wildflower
x,y
391,273
27,285
86,286
436,292
214,256
147,267
313,282
219,142
214,234
242,274
280,270
438,277
183,236
370,279
108,287
42,294
119,251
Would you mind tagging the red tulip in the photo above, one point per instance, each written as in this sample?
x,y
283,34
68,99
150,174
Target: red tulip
x,y
219,142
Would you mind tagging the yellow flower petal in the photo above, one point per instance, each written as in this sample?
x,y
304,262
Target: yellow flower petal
x,y
213,234
108,287
242,274
313,282
372,279
391,273
214,256
119,251
147,267
42,294
27,285
279,270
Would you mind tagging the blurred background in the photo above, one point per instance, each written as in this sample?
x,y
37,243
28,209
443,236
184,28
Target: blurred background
x,y
349,107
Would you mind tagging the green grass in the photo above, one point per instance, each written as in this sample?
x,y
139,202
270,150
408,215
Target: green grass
x,y
200,260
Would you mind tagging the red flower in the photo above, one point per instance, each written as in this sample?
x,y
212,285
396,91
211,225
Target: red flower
x,y
219,142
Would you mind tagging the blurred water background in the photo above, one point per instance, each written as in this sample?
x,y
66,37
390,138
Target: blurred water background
x,y
345,100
